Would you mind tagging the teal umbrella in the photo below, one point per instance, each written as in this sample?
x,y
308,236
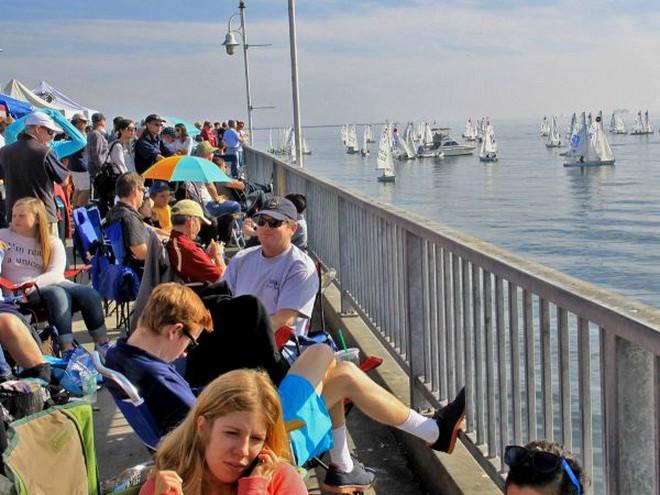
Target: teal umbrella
x,y
192,130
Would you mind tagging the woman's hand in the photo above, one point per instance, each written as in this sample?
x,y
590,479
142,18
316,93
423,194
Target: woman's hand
x,y
167,483
267,464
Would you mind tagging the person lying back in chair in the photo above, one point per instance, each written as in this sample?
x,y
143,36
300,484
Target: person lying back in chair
x,y
312,392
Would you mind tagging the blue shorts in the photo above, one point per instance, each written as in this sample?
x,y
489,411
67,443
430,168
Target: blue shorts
x,y
300,401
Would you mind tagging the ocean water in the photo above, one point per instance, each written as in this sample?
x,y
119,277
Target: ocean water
x,y
600,224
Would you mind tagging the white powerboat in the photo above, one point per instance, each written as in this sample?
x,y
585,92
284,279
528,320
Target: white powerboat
x,y
450,147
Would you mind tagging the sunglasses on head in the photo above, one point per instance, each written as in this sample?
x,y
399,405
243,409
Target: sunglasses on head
x,y
541,462
271,222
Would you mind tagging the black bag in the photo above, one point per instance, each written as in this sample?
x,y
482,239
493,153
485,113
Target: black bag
x,y
104,184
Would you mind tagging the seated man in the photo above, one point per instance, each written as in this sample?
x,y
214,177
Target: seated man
x,y
17,340
312,391
282,276
130,190
191,262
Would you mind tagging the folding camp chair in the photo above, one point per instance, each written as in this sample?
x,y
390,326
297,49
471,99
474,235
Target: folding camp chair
x,y
112,277
87,235
132,406
52,451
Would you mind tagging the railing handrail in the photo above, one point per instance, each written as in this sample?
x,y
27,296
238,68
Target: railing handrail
x,y
629,319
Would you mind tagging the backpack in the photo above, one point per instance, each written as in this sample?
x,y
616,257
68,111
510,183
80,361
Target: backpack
x,y
104,183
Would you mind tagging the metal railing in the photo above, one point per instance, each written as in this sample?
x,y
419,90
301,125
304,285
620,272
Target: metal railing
x,y
542,354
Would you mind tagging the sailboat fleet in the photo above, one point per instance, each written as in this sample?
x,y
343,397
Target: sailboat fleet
x,y
286,143
642,124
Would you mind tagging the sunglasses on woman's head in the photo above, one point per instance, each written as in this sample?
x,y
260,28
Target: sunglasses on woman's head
x,y
271,222
516,456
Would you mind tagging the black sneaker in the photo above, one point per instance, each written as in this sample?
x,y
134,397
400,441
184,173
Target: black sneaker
x,y
359,479
449,420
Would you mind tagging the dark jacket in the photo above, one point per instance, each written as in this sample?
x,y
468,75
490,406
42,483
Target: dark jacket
x,y
29,168
147,148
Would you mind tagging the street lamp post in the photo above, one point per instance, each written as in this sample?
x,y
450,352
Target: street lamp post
x,y
297,125
230,45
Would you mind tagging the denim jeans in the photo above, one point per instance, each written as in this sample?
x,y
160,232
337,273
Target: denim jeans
x,y
218,209
65,298
232,160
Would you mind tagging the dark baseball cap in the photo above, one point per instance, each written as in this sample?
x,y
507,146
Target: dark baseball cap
x,y
153,116
279,209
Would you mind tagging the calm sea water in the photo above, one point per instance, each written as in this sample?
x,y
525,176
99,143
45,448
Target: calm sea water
x,y
601,224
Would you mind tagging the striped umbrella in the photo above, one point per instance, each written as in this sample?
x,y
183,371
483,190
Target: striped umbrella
x,y
187,169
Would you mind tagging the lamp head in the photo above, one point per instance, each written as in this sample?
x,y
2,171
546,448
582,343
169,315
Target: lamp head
x,y
230,43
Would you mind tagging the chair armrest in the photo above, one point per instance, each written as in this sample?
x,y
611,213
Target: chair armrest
x,y
74,272
15,288
282,336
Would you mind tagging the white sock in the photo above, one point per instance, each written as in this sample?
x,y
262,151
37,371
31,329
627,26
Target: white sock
x,y
421,427
339,453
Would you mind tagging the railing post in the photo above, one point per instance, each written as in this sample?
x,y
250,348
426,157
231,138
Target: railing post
x,y
630,409
414,315
344,244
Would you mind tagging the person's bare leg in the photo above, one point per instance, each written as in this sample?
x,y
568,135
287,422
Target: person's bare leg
x,y
337,381
17,340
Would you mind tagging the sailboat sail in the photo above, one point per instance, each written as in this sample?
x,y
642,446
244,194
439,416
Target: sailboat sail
x,y
554,140
589,145
600,144
368,131
647,125
271,148
488,145
384,161
428,135
545,126
352,140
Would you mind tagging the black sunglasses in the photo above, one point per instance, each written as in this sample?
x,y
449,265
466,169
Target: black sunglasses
x,y
271,222
539,461
193,341
50,132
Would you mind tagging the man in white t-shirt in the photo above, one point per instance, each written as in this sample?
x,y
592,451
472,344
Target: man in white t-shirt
x,y
282,276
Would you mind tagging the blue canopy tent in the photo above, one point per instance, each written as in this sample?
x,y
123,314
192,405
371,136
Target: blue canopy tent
x,y
15,108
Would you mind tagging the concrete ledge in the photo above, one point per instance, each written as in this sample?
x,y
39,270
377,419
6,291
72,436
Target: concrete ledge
x,y
442,474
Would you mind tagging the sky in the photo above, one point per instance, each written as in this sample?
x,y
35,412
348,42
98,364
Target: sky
x,y
359,60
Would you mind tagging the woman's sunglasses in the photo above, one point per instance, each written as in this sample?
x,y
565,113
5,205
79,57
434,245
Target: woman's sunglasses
x,y
541,462
271,222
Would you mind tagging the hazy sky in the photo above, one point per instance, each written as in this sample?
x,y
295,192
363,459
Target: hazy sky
x,y
358,60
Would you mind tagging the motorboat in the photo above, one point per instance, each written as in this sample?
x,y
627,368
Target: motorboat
x,y
450,147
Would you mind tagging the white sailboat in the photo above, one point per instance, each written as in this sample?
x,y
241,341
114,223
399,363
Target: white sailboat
x,y
369,133
554,140
470,133
384,161
617,125
305,149
425,148
488,151
589,150
642,125
271,148
343,132
545,126
403,149
290,146
365,143
647,124
352,141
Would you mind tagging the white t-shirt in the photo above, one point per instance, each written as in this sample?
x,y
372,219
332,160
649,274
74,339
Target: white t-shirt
x,y
186,145
22,261
2,140
122,157
287,281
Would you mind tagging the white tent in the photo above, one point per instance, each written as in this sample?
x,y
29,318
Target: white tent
x,y
16,89
52,95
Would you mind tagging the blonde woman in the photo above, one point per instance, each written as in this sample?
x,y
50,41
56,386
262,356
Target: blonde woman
x,y
232,442
36,258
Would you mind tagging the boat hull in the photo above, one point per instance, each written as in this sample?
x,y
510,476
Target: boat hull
x,y
386,178
547,145
351,151
487,158
458,151
595,163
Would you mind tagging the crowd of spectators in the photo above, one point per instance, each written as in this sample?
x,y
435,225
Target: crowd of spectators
x,y
234,428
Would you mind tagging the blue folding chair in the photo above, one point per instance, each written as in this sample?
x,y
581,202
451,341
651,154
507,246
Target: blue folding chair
x,y
87,234
132,406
